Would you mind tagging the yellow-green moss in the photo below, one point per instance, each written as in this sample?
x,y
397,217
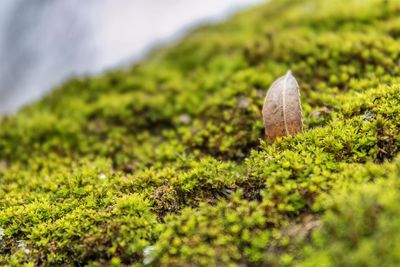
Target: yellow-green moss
x,y
166,164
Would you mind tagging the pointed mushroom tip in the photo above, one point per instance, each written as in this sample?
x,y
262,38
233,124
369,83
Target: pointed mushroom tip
x,y
289,73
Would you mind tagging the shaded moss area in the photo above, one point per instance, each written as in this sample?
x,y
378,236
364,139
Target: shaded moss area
x,y
166,163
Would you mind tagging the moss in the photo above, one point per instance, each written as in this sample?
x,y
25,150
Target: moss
x,y
166,163
360,227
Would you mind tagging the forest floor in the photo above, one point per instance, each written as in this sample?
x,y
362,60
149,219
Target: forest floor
x,y
167,163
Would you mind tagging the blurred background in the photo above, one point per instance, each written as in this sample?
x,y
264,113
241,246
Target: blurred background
x,y
43,42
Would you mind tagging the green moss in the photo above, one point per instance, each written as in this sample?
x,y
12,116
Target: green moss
x,y
166,163
360,227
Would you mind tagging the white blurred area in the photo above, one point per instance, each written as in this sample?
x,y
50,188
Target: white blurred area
x,y
43,42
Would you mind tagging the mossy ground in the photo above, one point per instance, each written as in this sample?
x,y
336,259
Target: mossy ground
x,y
166,164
